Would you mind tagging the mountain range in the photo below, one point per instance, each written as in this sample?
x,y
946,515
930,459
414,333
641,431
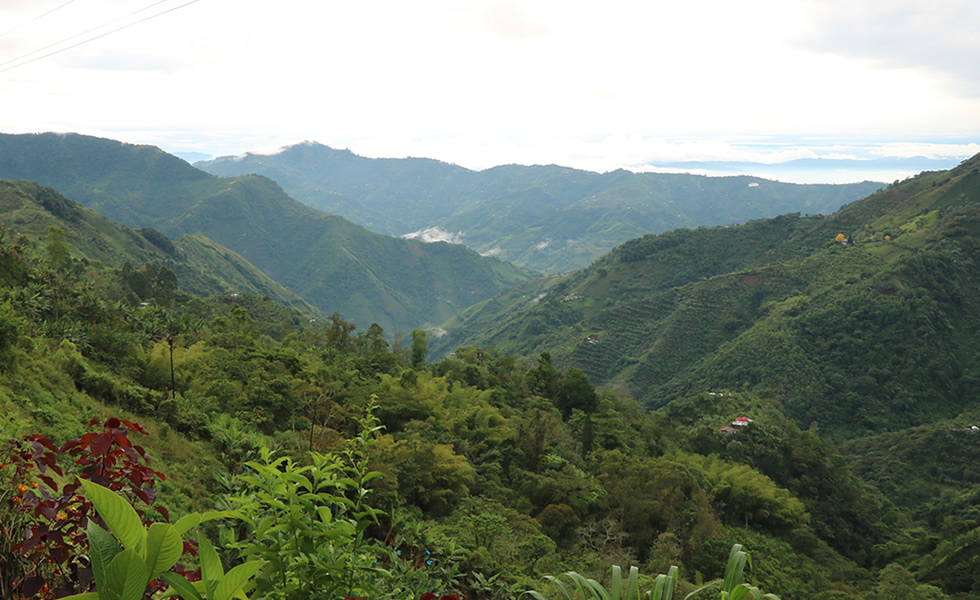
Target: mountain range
x,y
547,218
861,321
335,265
852,332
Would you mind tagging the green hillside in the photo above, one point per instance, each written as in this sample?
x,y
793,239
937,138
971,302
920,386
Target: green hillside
x,y
548,218
28,212
868,335
489,480
353,467
333,264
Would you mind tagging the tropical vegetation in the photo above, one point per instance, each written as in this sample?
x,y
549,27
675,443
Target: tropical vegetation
x,y
219,444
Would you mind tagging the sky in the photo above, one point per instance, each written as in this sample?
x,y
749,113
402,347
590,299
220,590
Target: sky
x,y
635,84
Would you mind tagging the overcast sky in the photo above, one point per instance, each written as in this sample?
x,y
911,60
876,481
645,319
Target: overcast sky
x,y
594,85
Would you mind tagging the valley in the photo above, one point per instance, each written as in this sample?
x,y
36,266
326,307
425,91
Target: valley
x,y
785,367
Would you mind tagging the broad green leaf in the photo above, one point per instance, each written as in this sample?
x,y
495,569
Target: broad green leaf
x,y
126,577
102,549
235,578
659,587
633,585
187,522
739,592
85,596
325,515
733,570
669,582
370,476
597,590
617,582
211,569
118,514
180,586
561,587
221,514
163,548
583,584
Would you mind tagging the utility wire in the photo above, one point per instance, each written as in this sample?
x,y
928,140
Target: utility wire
x,y
91,39
78,35
41,16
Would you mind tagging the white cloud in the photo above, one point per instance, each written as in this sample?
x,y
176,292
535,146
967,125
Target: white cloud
x,y
937,36
435,234
928,150
486,82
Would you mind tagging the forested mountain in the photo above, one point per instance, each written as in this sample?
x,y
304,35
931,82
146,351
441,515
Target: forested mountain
x,y
346,464
335,265
548,218
40,216
863,321
494,471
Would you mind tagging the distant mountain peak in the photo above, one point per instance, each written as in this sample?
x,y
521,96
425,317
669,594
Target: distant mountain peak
x,y
287,149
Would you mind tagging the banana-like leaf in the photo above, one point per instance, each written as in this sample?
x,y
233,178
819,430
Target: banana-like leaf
x,y
126,577
163,548
180,586
85,596
633,585
235,579
595,589
211,569
118,514
733,570
663,585
221,514
192,520
567,595
187,522
102,549
746,590
617,582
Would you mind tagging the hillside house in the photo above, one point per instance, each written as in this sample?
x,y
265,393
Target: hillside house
x,y
741,421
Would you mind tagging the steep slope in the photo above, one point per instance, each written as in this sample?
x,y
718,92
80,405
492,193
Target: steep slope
x,y
368,277
334,264
28,211
548,218
134,185
873,334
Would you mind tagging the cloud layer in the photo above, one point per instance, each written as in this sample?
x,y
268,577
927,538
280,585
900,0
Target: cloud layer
x,y
486,82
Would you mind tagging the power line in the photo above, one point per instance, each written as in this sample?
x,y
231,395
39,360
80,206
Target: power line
x,y
77,35
40,16
91,39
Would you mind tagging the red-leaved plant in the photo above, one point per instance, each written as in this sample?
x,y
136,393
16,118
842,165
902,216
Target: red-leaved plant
x,y
54,543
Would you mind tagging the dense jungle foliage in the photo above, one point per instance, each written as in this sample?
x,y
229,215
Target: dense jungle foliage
x,y
861,322
296,456
332,263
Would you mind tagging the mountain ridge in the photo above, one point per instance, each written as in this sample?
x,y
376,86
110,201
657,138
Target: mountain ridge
x,y
546,217
144,186
28,211
790,304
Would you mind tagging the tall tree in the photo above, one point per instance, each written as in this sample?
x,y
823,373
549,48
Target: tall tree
x,y
576,392
420,350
